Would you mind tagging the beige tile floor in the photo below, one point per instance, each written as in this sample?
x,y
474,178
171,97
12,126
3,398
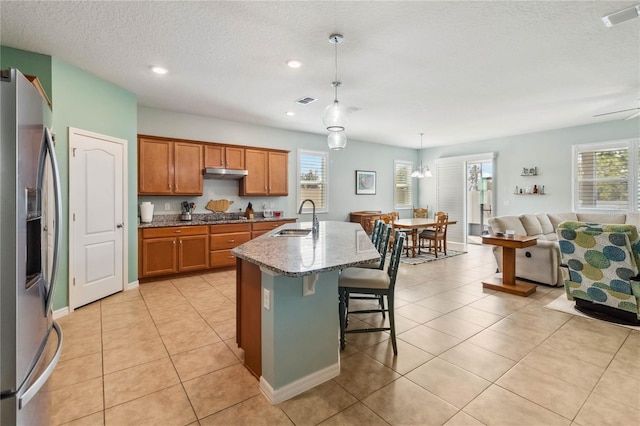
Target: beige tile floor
x,y
165,354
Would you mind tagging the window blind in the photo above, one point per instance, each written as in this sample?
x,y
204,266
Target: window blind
x,y
313,179
603,179
403,185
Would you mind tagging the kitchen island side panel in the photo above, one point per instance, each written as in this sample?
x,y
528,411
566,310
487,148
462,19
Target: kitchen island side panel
x,y
299,333
248,314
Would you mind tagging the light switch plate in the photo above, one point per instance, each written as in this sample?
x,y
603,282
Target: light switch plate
x,y
266,299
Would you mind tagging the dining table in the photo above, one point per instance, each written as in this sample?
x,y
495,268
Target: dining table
x,y
414,224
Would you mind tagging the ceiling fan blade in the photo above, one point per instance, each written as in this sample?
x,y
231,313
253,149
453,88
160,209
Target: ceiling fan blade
x,y
615,112
637,114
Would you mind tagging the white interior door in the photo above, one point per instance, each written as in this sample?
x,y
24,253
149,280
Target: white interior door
x,y
97,210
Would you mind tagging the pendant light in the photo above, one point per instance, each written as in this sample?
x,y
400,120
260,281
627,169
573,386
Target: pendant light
x,y
335,115
337,140
422,171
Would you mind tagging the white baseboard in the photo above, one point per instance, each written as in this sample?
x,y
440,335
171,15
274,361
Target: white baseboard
x,y
62,312
132,285
276,396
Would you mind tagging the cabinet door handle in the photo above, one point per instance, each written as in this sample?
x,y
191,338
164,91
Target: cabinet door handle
x,y
230,257
174,242
231,241
177,231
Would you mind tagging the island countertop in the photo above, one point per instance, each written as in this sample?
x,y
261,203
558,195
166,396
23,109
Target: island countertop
x,y
338,245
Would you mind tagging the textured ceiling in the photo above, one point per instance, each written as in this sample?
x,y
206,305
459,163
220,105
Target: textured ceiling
x,y
457,71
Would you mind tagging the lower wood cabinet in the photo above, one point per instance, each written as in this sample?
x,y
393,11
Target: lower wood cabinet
x,y
165,251
223,238
174,249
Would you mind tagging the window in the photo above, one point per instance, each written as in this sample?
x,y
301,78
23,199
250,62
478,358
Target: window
x,y
606,176
312,180
403,188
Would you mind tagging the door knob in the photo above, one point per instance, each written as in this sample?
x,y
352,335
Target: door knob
x,y
120,225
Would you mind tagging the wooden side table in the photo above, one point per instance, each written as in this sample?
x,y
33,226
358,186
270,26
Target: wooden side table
x,y
508,283
365,219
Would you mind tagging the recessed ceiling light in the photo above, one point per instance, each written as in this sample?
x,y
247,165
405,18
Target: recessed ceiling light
x,y
159,70
290,113
294,63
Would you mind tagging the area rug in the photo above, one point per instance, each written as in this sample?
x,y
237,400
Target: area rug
x,y
565,305
424,257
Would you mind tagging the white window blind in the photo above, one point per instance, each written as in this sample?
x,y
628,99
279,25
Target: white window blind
x,y
606,176
402,198
313,179
451,190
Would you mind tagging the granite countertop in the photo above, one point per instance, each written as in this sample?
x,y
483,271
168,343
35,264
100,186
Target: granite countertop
x,y
160,221
338,245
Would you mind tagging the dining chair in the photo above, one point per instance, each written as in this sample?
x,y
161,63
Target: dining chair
x,y
374,282
421,213
437,235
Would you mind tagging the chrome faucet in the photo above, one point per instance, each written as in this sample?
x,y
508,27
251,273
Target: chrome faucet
x,y
314,227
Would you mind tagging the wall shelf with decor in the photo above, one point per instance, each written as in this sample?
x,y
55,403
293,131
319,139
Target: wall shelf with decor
x,y
529,190
533,171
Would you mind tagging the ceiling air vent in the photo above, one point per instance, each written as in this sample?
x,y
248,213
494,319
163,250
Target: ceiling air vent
x,y
306,100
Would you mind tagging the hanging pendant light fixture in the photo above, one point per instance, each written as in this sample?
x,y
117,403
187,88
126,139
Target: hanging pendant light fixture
x,y
335,115
421,171
337,140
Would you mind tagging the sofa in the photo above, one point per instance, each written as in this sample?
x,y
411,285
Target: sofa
x,y
541,263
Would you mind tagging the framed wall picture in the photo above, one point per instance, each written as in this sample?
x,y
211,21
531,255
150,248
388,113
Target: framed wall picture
x,y
365,182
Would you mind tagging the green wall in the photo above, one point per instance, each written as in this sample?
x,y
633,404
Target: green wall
x,y
89,103
86,102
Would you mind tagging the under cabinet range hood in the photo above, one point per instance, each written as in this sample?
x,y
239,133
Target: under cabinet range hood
x,y
229,174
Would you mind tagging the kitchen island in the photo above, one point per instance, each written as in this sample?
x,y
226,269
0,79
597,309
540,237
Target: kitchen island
x,y
287,302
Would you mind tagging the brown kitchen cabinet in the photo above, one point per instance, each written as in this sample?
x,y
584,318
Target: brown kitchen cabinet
x,y
268,173
169,250
223,157
168,167
259,228
223,238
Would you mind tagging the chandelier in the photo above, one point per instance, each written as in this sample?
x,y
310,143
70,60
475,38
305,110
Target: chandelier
x,y
335,115
421,171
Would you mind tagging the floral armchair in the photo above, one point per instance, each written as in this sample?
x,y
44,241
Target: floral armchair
x,y
600,269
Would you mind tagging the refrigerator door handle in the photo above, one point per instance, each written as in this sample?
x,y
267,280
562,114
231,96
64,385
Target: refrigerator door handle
x,y
56,218
40,381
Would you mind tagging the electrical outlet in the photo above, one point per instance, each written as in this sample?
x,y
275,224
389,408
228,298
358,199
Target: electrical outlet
x,y
266,299
167,206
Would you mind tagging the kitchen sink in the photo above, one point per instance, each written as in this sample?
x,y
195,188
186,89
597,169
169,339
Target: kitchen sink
x,y
292,233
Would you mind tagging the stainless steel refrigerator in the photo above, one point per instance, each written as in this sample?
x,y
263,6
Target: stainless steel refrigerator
x,y
30,341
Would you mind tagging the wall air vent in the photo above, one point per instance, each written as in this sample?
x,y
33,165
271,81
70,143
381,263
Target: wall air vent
x,y
306,100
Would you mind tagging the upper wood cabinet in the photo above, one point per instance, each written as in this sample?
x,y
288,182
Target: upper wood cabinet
x,y
267,173
167,167
223,157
